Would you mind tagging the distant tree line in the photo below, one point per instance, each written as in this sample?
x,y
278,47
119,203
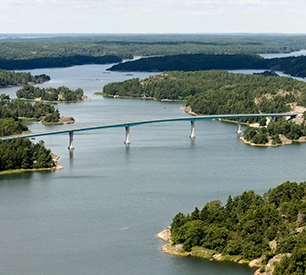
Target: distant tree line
x,y
128,46
61,93
247,224
8,78
49,62
192,62
295,66
23,154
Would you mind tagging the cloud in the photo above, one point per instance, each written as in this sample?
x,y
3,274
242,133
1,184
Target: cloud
x,y
152,16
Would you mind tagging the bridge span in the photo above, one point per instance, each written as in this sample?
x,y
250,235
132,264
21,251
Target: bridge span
x,y
128,125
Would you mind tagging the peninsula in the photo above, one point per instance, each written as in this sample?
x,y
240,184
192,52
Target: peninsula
x,y
8,78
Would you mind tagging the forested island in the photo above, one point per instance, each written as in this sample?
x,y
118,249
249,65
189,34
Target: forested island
x,y
295,66
60,94
268,228
13,111
20,155
220,92
8,78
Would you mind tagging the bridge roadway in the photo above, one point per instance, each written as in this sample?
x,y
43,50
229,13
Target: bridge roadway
x,y
127,125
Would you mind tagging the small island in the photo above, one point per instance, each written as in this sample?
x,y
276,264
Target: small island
x,y
264,231
60,94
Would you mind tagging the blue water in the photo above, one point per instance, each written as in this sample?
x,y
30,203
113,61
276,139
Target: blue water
x,y
101,213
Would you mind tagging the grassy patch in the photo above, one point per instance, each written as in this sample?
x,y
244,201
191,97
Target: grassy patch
x,y
18,171
198,251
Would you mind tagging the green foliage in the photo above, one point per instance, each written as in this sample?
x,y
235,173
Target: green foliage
x,y
247,223
147,45
23,154
8,78
294,265
289,129
62,93
193,62
12,110
53,117
8,126
68,51
216,92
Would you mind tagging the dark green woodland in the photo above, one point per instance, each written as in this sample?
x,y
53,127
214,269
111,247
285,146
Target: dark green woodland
x,y
247,224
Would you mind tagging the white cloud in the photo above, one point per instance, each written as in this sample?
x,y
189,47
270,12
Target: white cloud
x,y
152,16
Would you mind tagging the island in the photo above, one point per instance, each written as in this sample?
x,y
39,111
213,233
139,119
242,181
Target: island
x,y
60,94
264,231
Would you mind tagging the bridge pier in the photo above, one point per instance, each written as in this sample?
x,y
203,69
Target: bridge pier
x,y
192,135
127,136
70,145
239,132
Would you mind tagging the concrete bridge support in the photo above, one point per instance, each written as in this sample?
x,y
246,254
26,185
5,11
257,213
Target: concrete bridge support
x,y
239,132
127,136
192,135
70,146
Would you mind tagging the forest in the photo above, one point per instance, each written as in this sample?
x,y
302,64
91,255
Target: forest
x,y
22,153
217,92
52,62
8,78
12,111
249,226
61,94
63,51
131,45
294,66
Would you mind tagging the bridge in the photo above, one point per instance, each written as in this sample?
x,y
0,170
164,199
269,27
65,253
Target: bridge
x,y
128,125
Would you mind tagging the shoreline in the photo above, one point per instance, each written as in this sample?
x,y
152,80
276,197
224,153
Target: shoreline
x,y
257,264
84,98
17,171
177,250
55,159
285,141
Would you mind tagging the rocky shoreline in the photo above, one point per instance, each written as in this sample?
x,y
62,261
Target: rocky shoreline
x,y
177,250
285,141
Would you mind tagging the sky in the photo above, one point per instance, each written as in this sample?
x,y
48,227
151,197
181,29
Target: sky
x,y
152,16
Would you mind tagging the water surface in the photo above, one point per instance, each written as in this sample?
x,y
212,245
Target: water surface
x,y
101,213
